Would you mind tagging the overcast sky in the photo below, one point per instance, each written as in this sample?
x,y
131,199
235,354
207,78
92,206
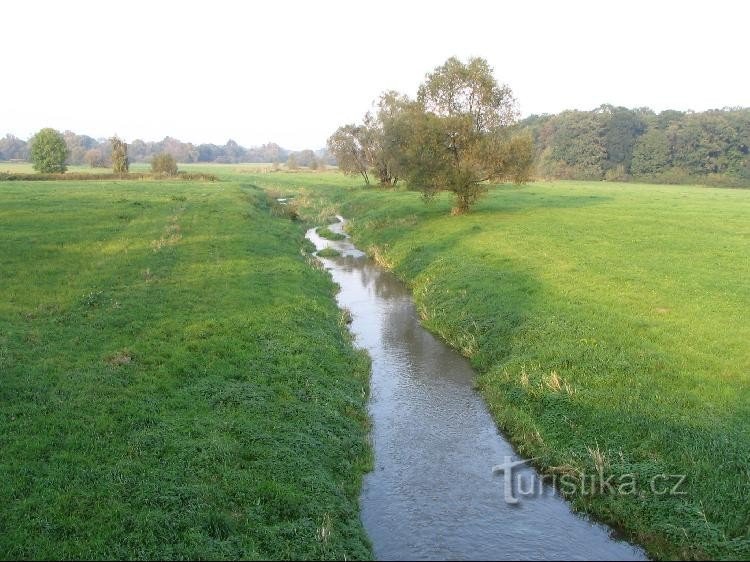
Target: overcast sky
x,y
291,72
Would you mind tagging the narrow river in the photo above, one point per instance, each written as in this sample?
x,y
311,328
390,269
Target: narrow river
x,y
433,493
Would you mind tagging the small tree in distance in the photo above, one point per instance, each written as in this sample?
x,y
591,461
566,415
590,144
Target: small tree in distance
x,y
164,164
49,152
120,162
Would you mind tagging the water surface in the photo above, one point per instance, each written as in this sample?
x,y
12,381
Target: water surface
x,y
432,493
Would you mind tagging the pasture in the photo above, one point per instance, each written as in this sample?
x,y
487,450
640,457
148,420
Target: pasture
x,y
177,381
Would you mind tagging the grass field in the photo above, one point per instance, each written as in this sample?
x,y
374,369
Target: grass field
x,y
609,324
177,381
28,168
226,170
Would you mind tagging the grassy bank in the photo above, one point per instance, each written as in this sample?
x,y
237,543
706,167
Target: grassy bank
x,y
609,324
177,381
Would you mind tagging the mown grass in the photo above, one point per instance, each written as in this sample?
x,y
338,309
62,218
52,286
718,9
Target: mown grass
x,y
177,381
609,325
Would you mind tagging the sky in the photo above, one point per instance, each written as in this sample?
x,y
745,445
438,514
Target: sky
x,y
292,72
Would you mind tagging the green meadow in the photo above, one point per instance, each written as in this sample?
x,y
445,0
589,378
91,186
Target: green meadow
x,y
177,381
609,326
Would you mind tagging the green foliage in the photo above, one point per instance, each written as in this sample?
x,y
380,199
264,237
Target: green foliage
x,y
461,133
176,382
670,146
622,127
369,148
651,154
350,145
577,140
329,253
164,164
328,234
49,152
455,137
120,162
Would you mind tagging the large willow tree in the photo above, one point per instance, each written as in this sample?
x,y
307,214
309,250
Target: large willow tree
x,y
460,133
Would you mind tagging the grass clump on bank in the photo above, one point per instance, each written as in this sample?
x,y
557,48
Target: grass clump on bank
x,y
609,327
329,253
328,234
176,379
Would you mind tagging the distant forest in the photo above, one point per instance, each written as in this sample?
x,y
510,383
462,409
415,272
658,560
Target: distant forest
x,y
616,143
607,143
86,150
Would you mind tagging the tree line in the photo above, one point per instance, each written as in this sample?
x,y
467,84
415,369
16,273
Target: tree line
x,y
617,143
97,153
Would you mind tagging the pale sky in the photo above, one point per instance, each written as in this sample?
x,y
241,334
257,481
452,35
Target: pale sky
x,y
291,72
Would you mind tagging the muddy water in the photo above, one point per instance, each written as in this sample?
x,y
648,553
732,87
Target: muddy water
x,y
433,493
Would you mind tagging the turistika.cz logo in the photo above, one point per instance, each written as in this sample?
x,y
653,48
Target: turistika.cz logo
x,y
518,484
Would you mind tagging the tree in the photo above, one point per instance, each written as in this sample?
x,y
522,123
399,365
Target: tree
x,y
460,134
49,151
120,162
349,146
164,163
384,137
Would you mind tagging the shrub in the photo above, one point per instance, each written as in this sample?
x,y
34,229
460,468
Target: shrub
x,y
164,164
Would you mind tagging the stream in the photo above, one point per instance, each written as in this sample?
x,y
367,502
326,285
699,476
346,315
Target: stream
x,y
433,493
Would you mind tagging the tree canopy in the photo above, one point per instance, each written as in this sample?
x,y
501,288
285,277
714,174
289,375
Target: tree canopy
x,y
669,146
49,151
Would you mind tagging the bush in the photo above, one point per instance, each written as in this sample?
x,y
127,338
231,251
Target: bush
x,y
164,164
49,152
